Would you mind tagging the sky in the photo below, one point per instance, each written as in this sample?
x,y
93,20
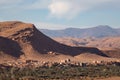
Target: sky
x,y
60,14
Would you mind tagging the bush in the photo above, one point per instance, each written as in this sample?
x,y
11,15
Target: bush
x,y
57,72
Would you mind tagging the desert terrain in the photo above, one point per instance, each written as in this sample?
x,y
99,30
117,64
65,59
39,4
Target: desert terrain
x,y
23,46
23,41
109,45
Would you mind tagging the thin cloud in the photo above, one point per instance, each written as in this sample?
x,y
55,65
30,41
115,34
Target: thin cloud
x,y
59,8
67,9
43,25
52,26
71,8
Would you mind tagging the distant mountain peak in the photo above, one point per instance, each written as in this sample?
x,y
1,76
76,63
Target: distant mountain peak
x,y
104,26
98,32
71,28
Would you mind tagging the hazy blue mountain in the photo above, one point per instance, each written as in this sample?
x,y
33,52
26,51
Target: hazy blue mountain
x,y
118,30
98,31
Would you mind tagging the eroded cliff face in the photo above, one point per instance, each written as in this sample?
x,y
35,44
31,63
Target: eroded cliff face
x,y
23,39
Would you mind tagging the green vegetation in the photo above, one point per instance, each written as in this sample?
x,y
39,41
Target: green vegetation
x,y
58,72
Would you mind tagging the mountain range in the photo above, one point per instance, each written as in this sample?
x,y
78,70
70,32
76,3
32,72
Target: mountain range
x,y
109,45
23,41
98,32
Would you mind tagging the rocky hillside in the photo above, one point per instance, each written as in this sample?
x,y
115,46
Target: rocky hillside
x,y
23,41
110,45
107,42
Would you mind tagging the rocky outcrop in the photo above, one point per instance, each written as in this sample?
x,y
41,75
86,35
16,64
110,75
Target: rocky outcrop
x,y
23,39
